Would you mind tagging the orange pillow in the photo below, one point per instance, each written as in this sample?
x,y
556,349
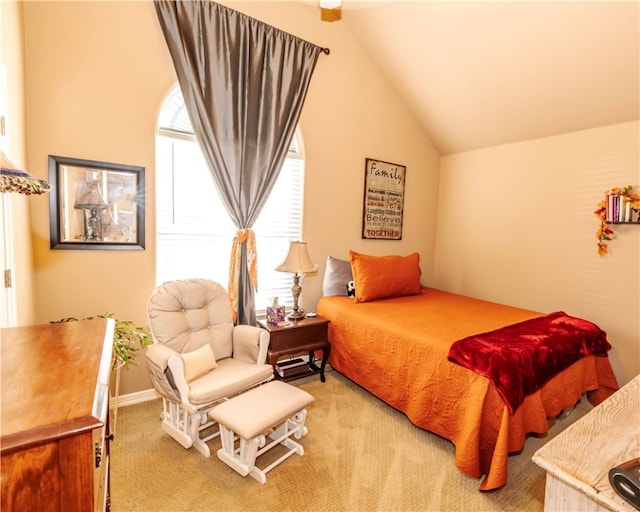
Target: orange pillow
x,y
381,277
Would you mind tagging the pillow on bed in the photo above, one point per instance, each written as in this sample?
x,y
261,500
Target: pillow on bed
x,y
382,277
337,274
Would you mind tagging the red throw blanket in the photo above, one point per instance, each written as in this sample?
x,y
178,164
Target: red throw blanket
x,y
519,359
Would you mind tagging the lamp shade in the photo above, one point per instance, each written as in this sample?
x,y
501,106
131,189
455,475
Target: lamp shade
x,y
90,196
298,260
15,180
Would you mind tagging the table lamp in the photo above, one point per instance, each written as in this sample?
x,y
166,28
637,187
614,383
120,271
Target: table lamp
x,y
298,263
90,200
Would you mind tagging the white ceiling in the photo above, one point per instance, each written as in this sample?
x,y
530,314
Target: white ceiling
x,y
483,73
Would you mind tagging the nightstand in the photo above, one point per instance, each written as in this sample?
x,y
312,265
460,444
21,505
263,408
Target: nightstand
x,y
305,335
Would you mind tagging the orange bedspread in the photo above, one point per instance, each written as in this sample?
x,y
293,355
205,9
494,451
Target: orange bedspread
x,y
397,349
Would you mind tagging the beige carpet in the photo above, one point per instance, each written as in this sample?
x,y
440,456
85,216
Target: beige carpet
x,y
360,455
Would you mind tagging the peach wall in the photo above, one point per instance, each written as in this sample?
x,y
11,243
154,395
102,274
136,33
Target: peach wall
x,y
515,222
14,144
516,225
97,73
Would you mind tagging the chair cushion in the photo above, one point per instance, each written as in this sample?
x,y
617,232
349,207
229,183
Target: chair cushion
x,y
198,362
189,313
253,412
229,378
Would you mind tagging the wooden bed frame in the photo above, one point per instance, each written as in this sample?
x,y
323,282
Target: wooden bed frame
x,y
397,349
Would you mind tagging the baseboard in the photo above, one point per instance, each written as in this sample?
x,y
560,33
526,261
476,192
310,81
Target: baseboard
x,y
134,398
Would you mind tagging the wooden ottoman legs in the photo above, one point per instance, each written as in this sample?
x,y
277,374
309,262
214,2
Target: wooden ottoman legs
x,y
275,410
243,458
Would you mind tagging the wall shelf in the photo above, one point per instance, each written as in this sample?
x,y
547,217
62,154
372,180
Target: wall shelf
x,y
619,206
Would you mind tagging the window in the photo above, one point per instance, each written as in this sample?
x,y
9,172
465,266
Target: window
x,y
193,230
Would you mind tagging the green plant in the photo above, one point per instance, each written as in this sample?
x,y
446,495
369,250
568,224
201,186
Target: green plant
x,y
128,339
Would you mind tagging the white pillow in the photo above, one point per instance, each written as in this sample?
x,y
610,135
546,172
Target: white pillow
x,y
198,362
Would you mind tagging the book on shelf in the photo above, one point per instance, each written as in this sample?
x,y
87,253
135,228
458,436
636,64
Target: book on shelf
x,y
618,208
610,208
292,367
290,363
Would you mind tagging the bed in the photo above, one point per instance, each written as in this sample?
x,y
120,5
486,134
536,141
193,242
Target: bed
x,y
400,347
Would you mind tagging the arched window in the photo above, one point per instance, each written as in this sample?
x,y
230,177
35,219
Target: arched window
x,y
193,230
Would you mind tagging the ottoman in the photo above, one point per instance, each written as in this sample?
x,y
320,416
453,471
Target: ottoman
x,y
275,410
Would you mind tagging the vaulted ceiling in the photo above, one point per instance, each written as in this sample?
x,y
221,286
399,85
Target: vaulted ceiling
x,y
483,73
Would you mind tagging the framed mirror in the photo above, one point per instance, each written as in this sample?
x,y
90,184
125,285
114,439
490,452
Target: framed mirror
x,y
95,205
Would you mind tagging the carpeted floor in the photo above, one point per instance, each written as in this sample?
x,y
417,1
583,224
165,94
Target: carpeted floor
x,y
360,455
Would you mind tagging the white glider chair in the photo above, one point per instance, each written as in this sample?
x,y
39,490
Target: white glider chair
x,y
199,357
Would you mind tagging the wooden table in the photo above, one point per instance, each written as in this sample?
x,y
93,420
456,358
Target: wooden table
x,y
578,460
54,443
298,336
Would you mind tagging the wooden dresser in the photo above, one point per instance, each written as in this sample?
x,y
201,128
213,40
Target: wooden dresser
x,y
54,437
578,459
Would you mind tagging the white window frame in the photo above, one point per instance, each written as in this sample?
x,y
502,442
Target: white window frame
x,y
280,220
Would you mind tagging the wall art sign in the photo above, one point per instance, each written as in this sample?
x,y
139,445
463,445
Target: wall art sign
x,y
95,205
383,200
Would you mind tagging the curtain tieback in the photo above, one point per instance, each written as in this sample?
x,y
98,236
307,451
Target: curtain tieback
x,y
243,236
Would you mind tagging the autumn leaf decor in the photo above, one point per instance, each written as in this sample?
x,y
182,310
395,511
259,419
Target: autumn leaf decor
x,y
618,206
603,235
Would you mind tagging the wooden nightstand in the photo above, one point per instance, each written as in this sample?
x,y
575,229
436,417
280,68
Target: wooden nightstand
x,y
306,335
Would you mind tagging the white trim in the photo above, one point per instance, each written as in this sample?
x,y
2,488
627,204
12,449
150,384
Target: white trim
x,y
9,310
8,297
135,398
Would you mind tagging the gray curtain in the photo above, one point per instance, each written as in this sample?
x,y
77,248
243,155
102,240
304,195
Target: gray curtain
x,y
244,84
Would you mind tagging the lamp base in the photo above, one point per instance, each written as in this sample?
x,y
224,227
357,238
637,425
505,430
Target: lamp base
x,y
295,315
296,289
